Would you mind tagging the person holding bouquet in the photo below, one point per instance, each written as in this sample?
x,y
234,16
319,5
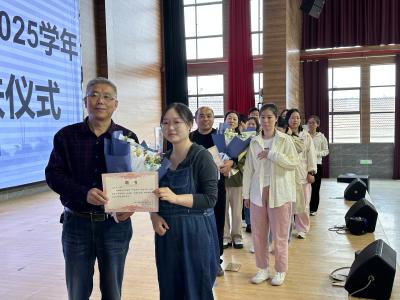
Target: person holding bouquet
x,y
269,190
233,185
186,242
204,117
74,172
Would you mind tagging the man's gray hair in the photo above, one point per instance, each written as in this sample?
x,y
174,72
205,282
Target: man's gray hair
x,y
101,80
203,107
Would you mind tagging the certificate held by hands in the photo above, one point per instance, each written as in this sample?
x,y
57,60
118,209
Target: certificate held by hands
x,y
215,155
130,189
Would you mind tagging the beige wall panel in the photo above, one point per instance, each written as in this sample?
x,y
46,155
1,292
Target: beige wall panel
x,y
274,65
134,63
282,28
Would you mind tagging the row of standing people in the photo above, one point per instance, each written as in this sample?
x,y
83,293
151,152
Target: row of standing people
x,y
190,222
309,149
186,243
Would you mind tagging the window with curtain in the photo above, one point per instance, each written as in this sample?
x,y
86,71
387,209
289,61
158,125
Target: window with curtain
x,y
344,104
207,91
382,103
203,29
362,103
256,10
205,33
258,84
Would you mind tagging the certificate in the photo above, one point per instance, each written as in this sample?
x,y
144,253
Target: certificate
x,y
130,189
215,155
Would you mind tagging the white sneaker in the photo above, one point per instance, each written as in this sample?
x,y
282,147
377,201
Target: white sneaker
x,y
301,235
262,275
237,242
278,279
227,243
313,213
251,249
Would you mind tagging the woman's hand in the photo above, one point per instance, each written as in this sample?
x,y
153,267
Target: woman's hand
x,y
226,168
159,225
310,178
246,203
122,216
263,154
166,194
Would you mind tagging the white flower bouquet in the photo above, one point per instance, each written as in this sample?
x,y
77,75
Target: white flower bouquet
x,y
142,158
232,143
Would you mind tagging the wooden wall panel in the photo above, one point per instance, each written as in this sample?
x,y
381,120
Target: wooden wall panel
x,y
134,63
274,52
293,43
282,27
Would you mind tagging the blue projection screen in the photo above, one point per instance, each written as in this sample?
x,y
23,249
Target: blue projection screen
x,y
40,83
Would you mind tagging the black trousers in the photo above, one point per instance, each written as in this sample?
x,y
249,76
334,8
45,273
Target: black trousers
x,y
314,203
219,212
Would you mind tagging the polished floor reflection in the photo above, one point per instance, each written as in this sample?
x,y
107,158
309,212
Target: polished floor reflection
x,y
32,265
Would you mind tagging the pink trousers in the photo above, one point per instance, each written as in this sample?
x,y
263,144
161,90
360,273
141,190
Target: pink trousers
x,y
262,220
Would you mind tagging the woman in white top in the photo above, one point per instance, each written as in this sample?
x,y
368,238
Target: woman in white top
x,y
304,173
322,150
269,190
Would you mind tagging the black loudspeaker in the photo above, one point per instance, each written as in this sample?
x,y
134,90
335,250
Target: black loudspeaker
x,y
349,177
364,210
372,272
312,7
355,190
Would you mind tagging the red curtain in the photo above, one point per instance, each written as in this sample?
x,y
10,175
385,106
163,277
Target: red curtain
x,y
316,98
240,63
396,154
353,23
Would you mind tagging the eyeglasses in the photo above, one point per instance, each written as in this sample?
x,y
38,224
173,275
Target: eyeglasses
x,y
96,95
174,124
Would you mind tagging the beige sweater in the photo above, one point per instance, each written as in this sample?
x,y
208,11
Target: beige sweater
x,y
285,160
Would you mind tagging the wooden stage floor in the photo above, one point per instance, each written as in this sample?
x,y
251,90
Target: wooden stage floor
x,y
32,265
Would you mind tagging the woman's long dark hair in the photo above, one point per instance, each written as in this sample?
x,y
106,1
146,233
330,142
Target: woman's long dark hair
x,y
272,108
238,116
289,113
256,121
183,112
317,120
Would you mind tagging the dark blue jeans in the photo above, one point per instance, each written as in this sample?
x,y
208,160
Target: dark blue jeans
x,y
246,215
83,241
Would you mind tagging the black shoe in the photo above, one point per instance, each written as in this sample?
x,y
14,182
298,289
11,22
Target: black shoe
x,y
226,246
220,271
237,243
237,246
248,228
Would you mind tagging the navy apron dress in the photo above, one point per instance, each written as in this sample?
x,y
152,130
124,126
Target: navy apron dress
x,y
187,256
